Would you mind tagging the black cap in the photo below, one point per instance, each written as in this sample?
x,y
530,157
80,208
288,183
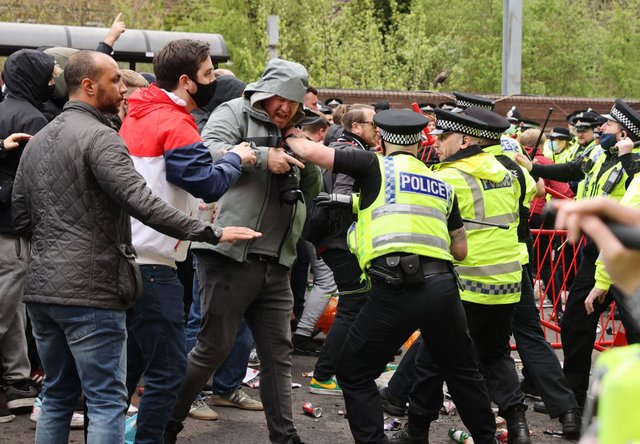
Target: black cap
x,y
400,126
464,101
311,117
447,106
513,115
584,120
560,133
381,105
526,124
325,110
450,122
427,107
496,124
627,117
575,113
332,102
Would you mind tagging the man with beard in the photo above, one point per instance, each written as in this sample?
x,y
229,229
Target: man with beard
x,y
74,192
168,152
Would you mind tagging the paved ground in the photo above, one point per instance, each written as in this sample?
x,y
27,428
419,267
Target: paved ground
x,y
236,426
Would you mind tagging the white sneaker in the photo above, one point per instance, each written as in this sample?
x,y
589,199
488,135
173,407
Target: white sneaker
x,y
77,420
200,410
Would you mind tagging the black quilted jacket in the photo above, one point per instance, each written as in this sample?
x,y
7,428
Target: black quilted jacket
x,y
74,191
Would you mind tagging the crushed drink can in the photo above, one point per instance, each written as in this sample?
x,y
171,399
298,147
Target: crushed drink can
x,y
310,410
502,435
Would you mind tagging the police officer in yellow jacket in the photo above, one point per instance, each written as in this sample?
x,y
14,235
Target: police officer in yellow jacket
x,y
407,235
603,174
491,274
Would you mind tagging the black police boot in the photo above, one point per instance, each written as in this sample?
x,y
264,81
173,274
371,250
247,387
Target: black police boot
x,y
540,407
570,421
517,428
405,437
171,431
391,405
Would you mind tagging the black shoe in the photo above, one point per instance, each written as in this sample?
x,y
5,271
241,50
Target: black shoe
x,y
392,406
171,431
296,440
517,428
404,437
304,346
21,395
5,414
571,423
539,407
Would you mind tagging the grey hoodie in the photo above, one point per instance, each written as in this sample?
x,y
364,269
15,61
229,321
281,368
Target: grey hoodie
x,y
244,119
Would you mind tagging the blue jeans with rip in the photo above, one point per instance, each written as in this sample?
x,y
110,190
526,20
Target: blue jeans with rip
x,y
82,350
232,371
156,349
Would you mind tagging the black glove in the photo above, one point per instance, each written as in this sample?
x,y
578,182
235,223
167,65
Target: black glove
x,y
333,200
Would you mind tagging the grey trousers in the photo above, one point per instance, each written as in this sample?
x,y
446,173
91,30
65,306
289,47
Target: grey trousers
x,y
14,358
318,299
260,292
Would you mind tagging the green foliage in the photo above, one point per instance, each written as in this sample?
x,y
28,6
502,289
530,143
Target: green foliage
x,y
570,47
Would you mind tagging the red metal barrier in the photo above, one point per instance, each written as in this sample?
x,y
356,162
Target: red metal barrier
x,y
556,263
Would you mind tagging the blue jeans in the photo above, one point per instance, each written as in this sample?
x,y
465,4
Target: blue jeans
x,y
156,349
232,371
82,350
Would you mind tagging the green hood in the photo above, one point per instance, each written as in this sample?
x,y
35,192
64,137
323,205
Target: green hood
x,y
282,78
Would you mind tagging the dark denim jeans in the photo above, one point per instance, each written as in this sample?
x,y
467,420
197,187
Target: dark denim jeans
x,y
232,371
82,350
156,349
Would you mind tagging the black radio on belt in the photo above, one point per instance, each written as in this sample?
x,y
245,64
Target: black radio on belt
x,y
612,181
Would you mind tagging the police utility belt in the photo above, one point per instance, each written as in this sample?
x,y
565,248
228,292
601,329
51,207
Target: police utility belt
x,y
410,269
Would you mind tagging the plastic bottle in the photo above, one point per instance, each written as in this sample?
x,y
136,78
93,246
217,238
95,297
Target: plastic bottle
x,y
460,436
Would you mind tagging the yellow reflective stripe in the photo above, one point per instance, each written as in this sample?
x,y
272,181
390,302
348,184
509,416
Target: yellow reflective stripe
x,y
476,192
415,210
490,270
490,289
410,238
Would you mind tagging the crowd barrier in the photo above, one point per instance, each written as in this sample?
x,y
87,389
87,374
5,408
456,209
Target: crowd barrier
x,y
556,262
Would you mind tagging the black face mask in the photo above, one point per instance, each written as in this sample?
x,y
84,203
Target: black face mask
x,y
204,94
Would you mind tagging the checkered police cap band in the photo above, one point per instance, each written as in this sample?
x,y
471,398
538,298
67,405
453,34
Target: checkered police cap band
x,y
625,121
400,139
462,103
488,134
457,127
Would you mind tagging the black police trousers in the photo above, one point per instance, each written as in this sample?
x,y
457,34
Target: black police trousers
x,y
387,319
578,329
346,273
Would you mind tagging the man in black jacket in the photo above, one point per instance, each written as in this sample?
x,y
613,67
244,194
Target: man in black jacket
x,y
28,75
74,192
360,133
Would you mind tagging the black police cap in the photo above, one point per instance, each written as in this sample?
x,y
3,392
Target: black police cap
x,y
496,124
400,126
560,133
464,101
513,115
529,124
332,102
450,122
427,107
627,117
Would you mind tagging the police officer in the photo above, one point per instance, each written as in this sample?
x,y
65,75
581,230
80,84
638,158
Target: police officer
x,y
491,274
601,174
407,235
537,355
